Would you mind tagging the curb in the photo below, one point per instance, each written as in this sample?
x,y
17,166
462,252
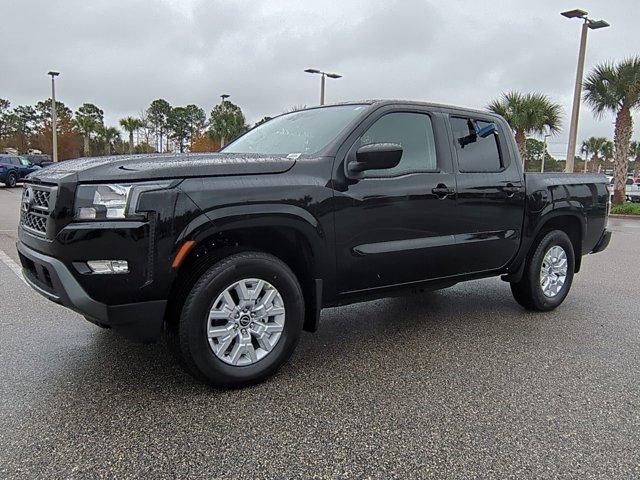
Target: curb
x,y
627,217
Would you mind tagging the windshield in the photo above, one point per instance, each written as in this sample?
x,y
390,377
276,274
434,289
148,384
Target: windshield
x,y
305,131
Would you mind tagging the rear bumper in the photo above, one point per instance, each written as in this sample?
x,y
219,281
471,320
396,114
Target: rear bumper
x,y
50,277
603,243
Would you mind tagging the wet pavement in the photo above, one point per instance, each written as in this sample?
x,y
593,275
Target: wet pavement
x,y
460,383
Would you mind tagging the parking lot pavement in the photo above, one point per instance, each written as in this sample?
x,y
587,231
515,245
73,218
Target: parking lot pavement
x,y
460,383
9,215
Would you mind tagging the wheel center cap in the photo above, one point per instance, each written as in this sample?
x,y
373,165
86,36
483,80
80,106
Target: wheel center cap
x,y
245,320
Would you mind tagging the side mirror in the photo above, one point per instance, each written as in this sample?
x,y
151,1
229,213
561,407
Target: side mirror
x,y
376,156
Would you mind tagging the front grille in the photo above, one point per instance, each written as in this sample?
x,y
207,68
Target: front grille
x,y
36,206
41,199
35,221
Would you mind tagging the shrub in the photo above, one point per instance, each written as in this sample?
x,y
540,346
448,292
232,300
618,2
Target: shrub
x,y
626,209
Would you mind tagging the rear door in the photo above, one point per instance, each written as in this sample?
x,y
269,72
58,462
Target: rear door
x,y
394,226
17,166
490,194
25,166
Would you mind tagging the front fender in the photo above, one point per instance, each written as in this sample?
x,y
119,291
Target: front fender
x,y
251,216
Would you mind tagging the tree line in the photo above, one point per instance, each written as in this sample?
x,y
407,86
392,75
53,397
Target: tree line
x,y
608,88
83,132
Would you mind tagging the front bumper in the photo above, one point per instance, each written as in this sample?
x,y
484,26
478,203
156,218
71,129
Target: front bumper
x,y
603,243
50,277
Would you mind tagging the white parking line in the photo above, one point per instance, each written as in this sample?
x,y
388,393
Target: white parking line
x,y
13,266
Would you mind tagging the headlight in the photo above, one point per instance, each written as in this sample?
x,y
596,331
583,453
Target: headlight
x,y
108,201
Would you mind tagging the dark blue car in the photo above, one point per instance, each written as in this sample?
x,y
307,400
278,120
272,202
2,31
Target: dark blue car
x,y
13,168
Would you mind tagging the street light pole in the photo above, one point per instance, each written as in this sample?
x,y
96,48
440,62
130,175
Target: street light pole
x,y
54,117
323,75
223,97
577,90
544,151
586,160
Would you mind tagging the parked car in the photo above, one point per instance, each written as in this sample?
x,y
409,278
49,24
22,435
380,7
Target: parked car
x,y
632,189
233,254
41,159
14,168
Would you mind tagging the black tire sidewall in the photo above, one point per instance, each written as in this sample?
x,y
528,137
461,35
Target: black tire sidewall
x,y
539,299
193,322
10,183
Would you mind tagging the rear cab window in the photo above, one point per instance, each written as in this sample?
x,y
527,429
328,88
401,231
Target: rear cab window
x,y
476,154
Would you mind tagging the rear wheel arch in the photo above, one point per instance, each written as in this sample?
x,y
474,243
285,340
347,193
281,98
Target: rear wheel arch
x,y
573,225
548,272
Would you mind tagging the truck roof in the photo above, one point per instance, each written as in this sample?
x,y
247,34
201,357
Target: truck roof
x,y
389,101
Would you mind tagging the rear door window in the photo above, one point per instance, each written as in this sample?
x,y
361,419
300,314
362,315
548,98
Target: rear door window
x,y
475,154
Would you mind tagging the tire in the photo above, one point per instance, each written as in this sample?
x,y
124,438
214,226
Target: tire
x,y
196,349
11,180
529,292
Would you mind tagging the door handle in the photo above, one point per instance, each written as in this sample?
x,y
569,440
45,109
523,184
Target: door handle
x,y
510,189
441,191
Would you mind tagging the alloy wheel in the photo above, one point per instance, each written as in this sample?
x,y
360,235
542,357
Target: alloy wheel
x,y
553,272
245,322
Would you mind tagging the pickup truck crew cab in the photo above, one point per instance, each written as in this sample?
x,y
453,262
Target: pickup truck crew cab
x,y
232,254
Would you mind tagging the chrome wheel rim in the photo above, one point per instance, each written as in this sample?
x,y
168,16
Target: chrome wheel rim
x,y
553,272
246,322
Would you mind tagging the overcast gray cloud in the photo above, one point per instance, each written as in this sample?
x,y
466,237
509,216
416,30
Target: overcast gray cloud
x,y
122,54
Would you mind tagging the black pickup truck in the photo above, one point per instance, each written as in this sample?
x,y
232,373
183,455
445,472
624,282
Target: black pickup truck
x,y
230,255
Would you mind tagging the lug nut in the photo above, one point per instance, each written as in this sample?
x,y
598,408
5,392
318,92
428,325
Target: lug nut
x,y
244,330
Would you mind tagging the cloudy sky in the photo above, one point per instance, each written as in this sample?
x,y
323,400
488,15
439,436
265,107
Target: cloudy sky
x,y
122,54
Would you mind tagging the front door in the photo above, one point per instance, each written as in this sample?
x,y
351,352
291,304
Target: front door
x,y
394,226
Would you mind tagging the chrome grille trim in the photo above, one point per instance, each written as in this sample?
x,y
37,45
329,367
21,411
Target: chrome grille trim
x,y
36,205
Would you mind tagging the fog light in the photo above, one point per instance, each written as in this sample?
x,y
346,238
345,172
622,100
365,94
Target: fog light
x,y
108,266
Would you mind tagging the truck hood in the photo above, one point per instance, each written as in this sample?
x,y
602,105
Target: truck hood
x,y
123,168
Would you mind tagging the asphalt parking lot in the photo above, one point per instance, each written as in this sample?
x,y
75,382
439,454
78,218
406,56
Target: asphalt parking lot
x,y
460,383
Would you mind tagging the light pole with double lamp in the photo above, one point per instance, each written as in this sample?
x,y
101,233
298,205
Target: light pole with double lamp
x,y
577,91
322,80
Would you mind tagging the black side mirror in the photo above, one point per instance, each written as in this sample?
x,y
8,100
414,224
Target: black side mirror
x,y
376,156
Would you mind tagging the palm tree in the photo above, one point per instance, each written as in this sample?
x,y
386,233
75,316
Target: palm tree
x,y
108,136
528,113
593,146
615,88
607,151
131,125
85,126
